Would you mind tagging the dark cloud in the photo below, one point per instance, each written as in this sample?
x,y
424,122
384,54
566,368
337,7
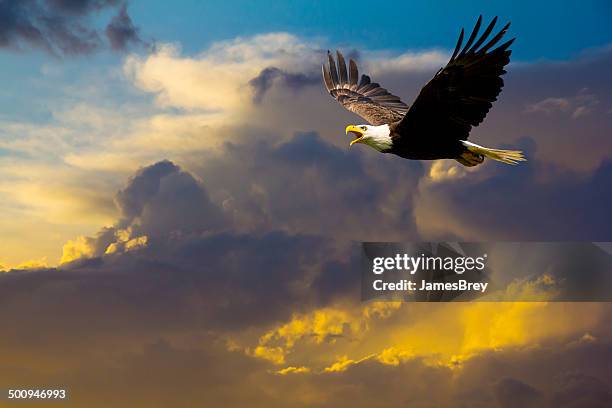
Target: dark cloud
x,y
512,393
155,321
193,249
161,198
121,31
157,318
143,187
268,76
580,390
80,6
526,202
220,281
63,27
306,185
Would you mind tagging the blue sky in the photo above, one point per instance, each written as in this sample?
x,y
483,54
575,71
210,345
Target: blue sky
x,y
546,29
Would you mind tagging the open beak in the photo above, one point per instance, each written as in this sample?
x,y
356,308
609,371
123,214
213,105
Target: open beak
x,y
357,132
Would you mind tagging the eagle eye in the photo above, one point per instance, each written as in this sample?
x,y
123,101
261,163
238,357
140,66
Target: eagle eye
x,y
364,128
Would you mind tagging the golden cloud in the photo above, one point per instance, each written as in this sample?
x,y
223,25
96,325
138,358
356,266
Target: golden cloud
x,y
80,247
436,334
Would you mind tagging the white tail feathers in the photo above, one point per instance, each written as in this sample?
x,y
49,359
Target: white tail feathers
x,y
504,156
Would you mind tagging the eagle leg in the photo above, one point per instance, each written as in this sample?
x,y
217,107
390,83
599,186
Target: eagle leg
x,y
470,159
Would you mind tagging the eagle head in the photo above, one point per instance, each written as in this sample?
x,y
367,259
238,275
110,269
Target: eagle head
x,y
377,137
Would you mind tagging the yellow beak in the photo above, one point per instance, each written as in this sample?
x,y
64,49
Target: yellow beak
x,y
357,131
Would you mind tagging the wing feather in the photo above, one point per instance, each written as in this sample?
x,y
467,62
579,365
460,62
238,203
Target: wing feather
x,y
332,69
365,98
458,46
495,39
472,37
342,70
353,75
461,94
327,79
484,35
364,81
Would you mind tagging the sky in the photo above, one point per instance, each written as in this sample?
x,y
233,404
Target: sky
x,y
179,207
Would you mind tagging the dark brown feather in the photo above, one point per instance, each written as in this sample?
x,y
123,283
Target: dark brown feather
x,y
484,35
472,37
458,46
353,75
342,70
332,69
457,98
367,99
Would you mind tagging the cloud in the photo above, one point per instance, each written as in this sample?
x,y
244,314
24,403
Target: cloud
x,y
195,261
579,390
121,31
580,105
262,82
203,118
514,393
550,105
270,310
408,62
159,200
216,80
62,27
88,247
223,138
323,325
500,211
291,185
142,187
552,102
293,370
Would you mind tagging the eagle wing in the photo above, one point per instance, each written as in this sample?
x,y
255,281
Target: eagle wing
x,y
365,98
460,95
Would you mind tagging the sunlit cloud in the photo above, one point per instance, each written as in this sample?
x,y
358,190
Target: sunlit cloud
x,y
216,80
437,335
576,106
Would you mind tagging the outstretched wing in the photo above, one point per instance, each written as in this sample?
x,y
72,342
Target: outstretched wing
x,y
367,99
460,95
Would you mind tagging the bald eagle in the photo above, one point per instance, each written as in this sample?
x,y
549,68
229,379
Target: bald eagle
x,y
438,123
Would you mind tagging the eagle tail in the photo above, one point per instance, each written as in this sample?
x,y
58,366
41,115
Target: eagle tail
x,y
504,156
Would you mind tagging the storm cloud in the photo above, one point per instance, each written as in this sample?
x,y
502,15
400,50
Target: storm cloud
x,y
121,31
266,78
561,205
203,307
63,27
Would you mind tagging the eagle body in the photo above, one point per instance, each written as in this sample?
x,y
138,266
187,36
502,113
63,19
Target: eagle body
x,y
423,146
438,123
